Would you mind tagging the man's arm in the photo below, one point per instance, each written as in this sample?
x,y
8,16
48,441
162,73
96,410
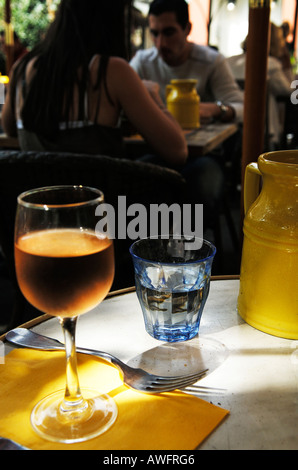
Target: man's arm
x,y
226,91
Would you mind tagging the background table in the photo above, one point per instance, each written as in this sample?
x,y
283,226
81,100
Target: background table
x,y
254,375
199,141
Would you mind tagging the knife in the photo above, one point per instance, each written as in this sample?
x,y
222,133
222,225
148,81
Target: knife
x,y
8,444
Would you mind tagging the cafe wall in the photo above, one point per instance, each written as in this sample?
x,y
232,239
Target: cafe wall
x,y
229,21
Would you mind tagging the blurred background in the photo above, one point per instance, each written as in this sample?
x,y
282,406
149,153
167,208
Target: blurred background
x,y
220,23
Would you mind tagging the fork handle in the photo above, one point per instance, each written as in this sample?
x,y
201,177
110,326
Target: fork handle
x,y
104,355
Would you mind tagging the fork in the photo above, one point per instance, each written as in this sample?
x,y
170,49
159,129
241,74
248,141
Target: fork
x,y
134,378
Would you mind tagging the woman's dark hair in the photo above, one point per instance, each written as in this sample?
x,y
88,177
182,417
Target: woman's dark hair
x,y
179,7
81,28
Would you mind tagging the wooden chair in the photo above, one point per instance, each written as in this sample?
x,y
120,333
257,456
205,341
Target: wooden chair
x,y
140,182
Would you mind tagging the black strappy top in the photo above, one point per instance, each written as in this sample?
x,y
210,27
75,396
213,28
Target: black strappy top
x,y
77,137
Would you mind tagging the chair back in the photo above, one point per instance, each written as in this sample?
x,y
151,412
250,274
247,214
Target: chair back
x,y
139,182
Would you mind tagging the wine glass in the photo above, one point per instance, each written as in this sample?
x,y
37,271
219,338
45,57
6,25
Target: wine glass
x,y
65,268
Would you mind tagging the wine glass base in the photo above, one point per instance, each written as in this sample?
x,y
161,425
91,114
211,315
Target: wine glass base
x,y
48,421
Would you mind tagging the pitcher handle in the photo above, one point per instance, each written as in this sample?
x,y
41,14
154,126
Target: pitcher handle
x,y
251,185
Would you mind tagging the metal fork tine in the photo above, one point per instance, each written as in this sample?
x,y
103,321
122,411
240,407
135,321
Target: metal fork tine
x,y
179,379
178,384
176,378
164,387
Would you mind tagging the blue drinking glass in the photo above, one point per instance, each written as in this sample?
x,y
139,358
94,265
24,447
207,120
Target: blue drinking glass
x,y
172,279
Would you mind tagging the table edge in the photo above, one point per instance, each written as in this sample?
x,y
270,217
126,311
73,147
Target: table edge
x,y
42,318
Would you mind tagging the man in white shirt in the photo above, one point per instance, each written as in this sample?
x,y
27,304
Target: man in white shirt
x,y
173,56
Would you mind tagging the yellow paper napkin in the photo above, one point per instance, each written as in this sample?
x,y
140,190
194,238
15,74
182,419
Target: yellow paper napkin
x,y
168,421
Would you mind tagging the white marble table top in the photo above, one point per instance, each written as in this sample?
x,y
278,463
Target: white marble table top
x,y
252,374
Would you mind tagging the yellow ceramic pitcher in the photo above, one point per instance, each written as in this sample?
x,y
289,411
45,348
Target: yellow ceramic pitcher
x,y
268,297
183,102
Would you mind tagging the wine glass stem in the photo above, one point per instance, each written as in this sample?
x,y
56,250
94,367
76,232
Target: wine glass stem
x,y
73,400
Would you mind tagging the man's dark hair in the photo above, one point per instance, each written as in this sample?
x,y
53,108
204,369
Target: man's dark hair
x,y
179,7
